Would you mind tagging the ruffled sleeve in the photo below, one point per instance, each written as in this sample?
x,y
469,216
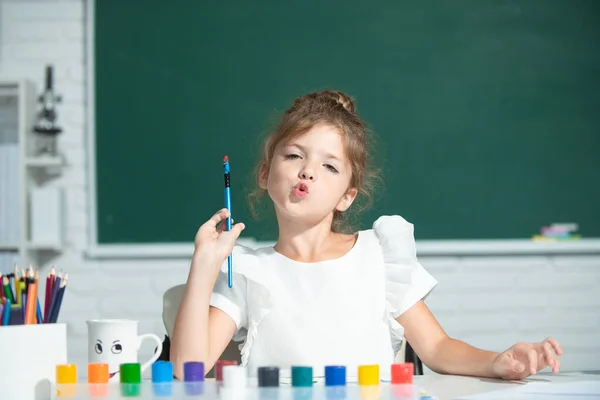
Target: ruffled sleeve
x,y
407,281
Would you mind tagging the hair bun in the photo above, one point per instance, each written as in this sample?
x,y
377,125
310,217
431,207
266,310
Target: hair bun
x,y
341,98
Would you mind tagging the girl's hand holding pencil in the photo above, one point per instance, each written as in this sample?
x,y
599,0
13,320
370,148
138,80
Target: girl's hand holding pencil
x,y
19,297
213,243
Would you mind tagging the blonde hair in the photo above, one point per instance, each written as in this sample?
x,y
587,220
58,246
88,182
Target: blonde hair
x,y
336,109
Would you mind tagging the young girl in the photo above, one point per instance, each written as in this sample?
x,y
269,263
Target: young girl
x,y
320,296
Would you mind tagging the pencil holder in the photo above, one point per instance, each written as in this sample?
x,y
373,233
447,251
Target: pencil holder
x,y
30,354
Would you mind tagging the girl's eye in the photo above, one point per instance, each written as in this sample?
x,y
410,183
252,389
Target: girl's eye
x,y
331,168
292,156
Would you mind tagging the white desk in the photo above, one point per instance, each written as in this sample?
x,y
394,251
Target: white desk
x,y
448,387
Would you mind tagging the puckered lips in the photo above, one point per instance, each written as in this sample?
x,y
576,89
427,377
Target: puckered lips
x,y
300,190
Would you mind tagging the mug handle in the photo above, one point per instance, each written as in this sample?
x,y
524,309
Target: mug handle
x,y
156,340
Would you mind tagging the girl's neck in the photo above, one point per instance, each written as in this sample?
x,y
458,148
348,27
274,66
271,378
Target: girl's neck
x,y
312,243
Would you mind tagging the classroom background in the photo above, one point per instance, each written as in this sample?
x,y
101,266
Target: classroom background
x,y
490,301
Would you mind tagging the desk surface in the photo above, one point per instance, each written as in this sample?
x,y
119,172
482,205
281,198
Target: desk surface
x,y
448,387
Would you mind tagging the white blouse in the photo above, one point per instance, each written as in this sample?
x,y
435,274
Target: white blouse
x,y
334,312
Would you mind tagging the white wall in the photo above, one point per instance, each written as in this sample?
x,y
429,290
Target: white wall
x,y
490,302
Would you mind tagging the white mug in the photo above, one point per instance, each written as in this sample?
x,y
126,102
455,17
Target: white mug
x,y
115,342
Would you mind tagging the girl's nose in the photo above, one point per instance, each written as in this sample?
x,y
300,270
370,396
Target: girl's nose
x,y
306,175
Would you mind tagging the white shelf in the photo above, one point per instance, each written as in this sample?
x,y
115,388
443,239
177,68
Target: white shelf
x,y
43,162
25,93
9,89
44,246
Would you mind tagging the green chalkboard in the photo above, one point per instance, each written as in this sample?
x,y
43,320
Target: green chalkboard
x,y
486,112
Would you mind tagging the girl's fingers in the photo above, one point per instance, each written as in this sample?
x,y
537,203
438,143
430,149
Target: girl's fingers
x,y
235,231
223,225
532,358
556,366
557,347
548,354
217,217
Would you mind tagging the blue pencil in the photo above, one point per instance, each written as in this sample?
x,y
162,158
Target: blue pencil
x,y
6,313
58,303
23,305
38,312
228,206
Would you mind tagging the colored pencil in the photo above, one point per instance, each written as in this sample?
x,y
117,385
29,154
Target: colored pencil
x,y
39,319
53,294
23,301
17,285
11,285
227,176
30,310
57,305
38,310
7,289
6,312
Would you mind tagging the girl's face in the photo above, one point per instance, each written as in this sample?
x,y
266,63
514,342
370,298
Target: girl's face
x,y
309,177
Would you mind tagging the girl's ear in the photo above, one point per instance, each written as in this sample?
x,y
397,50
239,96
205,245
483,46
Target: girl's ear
x,y
263,175
347,200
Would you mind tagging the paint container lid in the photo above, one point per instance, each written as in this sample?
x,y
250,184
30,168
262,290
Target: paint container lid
x,y
66,373
302,376
268,376
193,371
368,375
235,377
335,375
130,373
162,371
98,373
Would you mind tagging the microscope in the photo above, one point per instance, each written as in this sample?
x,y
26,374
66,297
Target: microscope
x,y
46,126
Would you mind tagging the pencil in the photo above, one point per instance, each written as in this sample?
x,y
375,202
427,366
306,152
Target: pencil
x,y
7,290
59,299
30,310
52,279
1,288
38,312
47,296
24,291
23,300
53,294
11,284
17,285
38,309
226,172
6,312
